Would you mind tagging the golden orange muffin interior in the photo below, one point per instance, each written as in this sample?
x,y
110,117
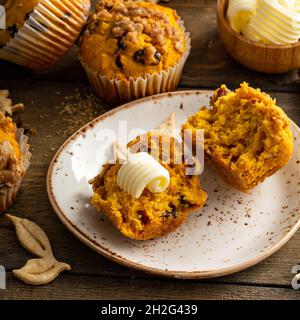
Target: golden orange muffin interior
x,y
17,12
151,215
247,136
8,133
127,39
11,157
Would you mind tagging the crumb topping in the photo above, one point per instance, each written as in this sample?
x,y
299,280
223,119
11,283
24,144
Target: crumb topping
x,y
146,33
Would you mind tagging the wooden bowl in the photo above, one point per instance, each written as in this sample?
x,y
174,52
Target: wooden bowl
x,y
256,55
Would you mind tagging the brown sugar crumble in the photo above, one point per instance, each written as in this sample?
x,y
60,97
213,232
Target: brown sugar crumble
x,y
78,109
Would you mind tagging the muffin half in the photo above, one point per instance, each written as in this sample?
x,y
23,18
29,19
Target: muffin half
x,y
247,136
132,49
151,215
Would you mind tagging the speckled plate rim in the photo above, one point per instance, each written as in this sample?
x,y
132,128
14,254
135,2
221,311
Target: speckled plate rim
x,y
106,252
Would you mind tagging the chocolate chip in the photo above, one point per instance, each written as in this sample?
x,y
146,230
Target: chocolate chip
x,y
184,202
157,56
234,159
119,63
139,56
121,44
144,217
13,30
222,92
173,213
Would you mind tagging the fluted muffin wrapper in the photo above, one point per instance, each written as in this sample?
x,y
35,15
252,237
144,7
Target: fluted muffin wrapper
x,y
8,191
48,33
113,90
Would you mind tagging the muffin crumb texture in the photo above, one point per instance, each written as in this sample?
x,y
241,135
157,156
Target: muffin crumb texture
x,y
151,215
247,136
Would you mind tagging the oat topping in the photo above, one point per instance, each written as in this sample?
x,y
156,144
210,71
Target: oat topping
x,y
6,106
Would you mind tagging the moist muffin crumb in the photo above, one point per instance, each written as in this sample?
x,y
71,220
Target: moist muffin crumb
x,y
152,215
247,136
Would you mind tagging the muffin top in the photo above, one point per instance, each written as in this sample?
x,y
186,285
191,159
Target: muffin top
x,y
126,39
17,11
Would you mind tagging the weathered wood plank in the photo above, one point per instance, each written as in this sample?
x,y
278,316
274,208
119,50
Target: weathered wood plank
x,y
207,67
33,203
82,287
93,276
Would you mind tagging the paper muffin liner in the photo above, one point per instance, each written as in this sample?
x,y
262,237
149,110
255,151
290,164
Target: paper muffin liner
x,y
113,90
48,33
8,191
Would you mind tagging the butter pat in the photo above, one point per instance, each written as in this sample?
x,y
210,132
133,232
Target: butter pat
x,y
142,171
268,21
2,18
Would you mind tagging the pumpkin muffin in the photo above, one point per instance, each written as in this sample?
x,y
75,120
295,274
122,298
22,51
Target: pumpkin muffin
x,y
151,215
132,49
39,32
247,137
14,159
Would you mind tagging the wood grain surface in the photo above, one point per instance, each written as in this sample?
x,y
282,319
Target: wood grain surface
x,y
93,276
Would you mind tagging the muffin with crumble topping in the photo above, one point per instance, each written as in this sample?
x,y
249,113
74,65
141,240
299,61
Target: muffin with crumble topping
x,y
38,33
133,49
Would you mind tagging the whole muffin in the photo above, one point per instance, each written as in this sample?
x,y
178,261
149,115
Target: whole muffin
x,y
14,160
133,49
39,32
247,137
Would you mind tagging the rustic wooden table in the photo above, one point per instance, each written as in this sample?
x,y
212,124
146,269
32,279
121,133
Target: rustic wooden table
x,y
93,276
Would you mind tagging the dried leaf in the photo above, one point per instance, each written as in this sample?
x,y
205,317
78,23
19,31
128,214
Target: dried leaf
x,y
34,239
40,271
31,236
37,266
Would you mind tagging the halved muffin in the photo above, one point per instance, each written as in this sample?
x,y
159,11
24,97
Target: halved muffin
x,y
247,136
152,215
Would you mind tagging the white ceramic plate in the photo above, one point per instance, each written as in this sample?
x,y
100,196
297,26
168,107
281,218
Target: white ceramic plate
x,y
233,232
